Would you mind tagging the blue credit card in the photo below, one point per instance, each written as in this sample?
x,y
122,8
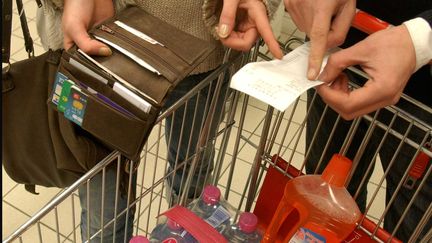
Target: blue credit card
x,y
76,106
57,88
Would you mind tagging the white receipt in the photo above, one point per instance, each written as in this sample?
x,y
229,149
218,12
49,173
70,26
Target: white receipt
x,y
278,82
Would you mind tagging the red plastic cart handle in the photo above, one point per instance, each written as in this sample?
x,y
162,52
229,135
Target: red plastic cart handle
x,y
368,23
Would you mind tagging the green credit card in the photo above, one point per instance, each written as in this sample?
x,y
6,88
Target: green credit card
x,y
64,96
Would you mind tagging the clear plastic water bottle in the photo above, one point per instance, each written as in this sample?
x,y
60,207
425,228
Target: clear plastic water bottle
x,y
139,239
209,206
207,203
245,231
170,232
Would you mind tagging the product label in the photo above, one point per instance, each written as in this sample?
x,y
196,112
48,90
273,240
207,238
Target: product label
x,y
304,235
218,217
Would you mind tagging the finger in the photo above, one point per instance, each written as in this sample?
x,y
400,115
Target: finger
x,y
265,30
89,45
227,18
340,26
356,103
340,60
341,83
241,41
318,36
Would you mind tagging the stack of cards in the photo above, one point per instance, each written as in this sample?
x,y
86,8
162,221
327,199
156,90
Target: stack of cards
x,y
70,99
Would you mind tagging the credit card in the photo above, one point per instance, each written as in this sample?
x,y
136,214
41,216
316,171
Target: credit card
x,y
57,88
76,106
64,96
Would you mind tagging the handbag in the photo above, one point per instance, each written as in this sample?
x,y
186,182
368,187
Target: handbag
x,y
39,147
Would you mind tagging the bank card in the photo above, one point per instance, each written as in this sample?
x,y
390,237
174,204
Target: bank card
x,y
76,105
64,96
57,88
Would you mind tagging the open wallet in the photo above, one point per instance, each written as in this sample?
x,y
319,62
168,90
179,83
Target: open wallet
x,y
117,99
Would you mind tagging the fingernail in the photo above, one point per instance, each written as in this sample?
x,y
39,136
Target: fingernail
x,y
311,74
105,51
223,31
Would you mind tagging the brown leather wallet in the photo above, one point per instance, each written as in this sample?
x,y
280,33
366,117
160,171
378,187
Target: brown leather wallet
x,y
150,57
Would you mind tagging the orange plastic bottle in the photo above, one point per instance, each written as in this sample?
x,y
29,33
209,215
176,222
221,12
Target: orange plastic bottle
x,y
318,207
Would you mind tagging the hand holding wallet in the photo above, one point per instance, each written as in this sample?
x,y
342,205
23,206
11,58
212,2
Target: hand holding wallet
x,y
117,98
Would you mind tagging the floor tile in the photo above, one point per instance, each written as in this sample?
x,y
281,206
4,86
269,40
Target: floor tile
x,y
378,174
17,44
30,203
12,218
7,183
377,203
68,216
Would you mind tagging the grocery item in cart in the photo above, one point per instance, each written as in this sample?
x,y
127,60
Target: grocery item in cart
x,y
245,231
171,232
210,207
318,206
139,239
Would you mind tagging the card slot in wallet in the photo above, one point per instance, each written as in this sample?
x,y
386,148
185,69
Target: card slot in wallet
x,y
113,127
144,54
185,46
122,87
102,88
155,86
147,48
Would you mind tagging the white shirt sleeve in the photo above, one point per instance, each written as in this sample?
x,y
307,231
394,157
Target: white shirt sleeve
x,y
421,36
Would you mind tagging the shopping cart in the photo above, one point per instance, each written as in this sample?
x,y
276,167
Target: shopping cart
x,y
276,135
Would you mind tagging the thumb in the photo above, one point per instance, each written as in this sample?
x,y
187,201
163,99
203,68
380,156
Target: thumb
x,y
91,46
227,18
338,61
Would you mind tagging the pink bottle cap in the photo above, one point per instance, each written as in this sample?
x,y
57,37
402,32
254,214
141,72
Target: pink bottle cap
x,y
173,225
139,239
211,195
248,222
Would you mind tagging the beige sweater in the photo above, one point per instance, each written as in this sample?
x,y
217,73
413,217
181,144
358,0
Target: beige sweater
x,y
196,17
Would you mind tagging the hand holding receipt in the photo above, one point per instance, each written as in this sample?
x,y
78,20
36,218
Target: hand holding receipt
x,y
277,82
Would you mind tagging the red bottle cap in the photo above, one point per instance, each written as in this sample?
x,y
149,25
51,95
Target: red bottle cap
x,y
139,239
211,195
248,222
337,170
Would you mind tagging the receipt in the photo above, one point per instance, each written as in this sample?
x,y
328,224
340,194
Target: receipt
x,y
278,82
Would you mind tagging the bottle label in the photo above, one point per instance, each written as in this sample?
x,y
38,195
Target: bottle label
x,y
219,216
304,235
170,240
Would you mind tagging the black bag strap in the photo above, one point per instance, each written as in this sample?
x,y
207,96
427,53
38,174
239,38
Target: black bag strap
x,y
7,28
26,32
